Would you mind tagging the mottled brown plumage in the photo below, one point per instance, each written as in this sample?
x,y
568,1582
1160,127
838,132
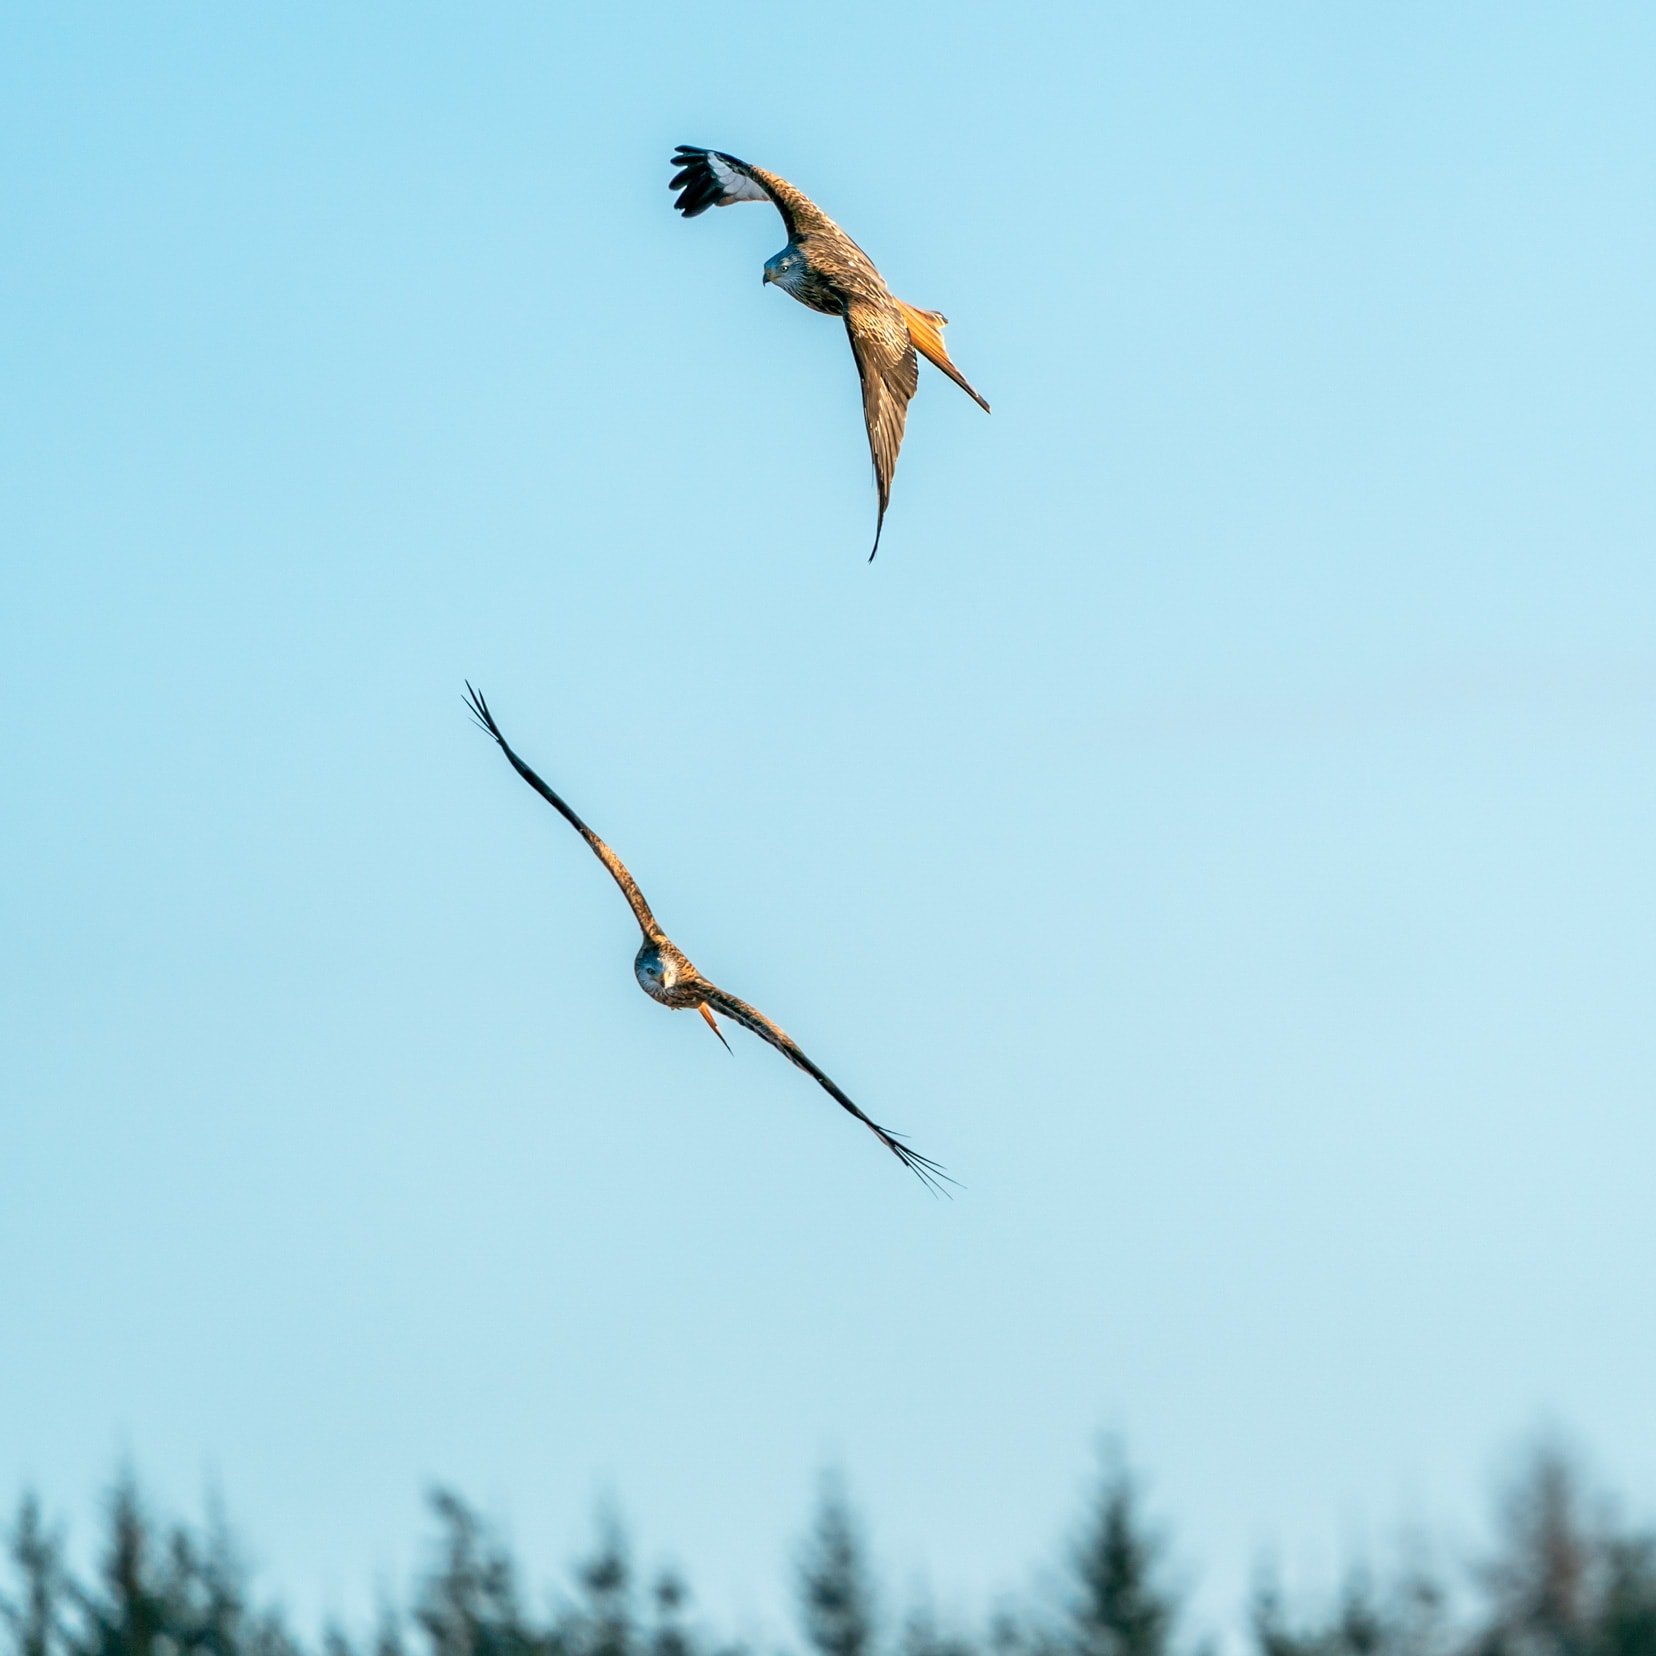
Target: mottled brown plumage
x,y
666,975
822,267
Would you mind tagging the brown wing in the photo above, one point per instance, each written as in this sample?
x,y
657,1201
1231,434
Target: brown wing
x,y
629,888
928,1172
890,371
710,178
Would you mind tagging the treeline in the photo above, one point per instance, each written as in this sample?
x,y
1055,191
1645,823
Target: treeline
x,y
1563,1577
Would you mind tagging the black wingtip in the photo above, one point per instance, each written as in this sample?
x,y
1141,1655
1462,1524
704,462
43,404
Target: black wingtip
x,y
479,710
693,180
927,1171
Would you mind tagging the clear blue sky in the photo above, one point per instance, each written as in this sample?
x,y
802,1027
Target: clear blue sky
x,y
1219,827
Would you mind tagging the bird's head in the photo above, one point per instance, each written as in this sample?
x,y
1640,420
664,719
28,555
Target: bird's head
x,y
786,269
655,969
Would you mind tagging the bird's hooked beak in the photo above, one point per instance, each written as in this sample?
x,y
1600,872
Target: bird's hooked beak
x,y
767,276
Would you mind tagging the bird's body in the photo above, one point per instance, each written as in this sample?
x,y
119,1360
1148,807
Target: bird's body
x,y
666,975
823,268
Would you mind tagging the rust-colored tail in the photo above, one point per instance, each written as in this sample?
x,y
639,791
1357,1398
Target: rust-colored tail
x,y
926,330
712,1023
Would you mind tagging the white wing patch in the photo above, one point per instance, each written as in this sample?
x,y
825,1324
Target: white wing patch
x,y
734,186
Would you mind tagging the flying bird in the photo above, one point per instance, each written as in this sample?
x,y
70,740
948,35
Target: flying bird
x,y
822,267
666,975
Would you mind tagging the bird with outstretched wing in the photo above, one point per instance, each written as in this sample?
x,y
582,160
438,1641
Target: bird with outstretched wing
x,y
666,975
822,267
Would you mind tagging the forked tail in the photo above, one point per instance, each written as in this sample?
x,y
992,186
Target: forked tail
x,y
926,330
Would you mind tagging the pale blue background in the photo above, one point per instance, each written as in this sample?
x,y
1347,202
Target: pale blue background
x,y
1219,826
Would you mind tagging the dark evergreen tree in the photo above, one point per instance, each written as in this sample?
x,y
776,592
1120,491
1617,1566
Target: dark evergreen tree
x,y
126,1610
1564,1581
1118,1604
606,1624
1628,1618
35,1617
836,1601
1541,1582
670,1598
467,1602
